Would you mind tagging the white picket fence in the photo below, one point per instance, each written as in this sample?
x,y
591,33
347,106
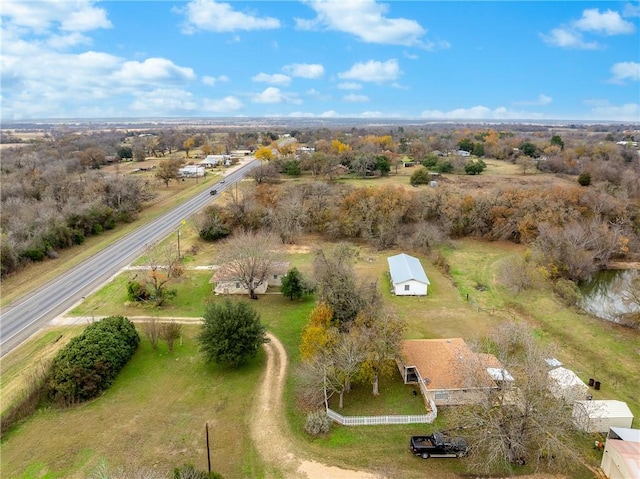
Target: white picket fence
x,y
383,420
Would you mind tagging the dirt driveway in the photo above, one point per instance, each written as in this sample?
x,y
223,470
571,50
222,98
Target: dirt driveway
x,y
269,427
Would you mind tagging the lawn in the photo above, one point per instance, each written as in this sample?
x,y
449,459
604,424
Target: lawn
x,y
154,416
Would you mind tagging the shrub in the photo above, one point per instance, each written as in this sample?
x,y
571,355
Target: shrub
x,y
188,471
137,291
34,254
317,423
584,179
90,362
567,291
420,177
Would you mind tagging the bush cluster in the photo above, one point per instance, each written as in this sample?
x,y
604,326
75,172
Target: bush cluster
x,y
90,362
317,423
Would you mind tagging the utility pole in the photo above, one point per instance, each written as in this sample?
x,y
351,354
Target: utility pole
x,y
208,453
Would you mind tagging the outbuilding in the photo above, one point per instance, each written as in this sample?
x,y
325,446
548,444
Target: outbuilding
x,y
407,276
599,416
621,457
565,384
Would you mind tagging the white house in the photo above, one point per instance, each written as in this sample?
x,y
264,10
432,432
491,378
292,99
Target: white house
x,y
565,384
407,276
621,457
599,416
225,283
191,171
215,160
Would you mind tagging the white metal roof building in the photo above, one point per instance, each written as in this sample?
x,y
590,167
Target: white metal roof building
x,y
564,383
599,416
407,276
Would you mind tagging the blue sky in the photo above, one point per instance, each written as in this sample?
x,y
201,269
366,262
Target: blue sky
x,y
453,60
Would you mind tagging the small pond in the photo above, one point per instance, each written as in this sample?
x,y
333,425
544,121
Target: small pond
x,y
606,294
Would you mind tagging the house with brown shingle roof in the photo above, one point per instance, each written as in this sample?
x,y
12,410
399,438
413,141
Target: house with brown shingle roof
x,y
449,372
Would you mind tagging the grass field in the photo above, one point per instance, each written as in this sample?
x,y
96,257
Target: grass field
x,y
156,411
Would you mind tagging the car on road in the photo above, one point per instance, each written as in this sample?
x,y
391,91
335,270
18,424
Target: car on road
x,y
222,181
438,445
213,192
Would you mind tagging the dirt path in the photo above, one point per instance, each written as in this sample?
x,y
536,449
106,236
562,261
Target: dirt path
x,y
269,432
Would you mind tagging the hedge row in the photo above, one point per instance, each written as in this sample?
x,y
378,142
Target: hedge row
x,y
90,362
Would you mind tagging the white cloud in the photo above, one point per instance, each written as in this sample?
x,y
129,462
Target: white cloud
x,y
625,71
227,104
214,16
373,71
354,98
211,81
631,10
608,23
373,114
480,112
275,79
302,114
541,100
329,114
349,86
41,16
304,70
275,95
153,70
592,21
566,38
365,19
164,101
603,110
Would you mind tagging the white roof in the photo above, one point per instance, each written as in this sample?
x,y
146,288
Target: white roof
x,y
552,362
499,374
606,408
626,433
405,268
565,378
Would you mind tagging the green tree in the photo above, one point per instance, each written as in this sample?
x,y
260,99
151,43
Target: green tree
x,y
125,152
478,149
466,144
420,177
231,333
556,140
530,149
383,165
168,170
475,167
292,284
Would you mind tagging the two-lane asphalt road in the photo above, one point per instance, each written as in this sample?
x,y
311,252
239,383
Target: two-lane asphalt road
x,y
24,317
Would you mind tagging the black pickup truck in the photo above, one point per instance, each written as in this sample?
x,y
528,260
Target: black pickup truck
x,y
438,445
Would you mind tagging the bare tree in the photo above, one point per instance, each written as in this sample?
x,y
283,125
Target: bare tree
x,y
287,217
248,258
171,332
522,422
151,330
163,265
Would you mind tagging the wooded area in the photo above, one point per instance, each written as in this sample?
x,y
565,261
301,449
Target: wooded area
x,y
67,185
